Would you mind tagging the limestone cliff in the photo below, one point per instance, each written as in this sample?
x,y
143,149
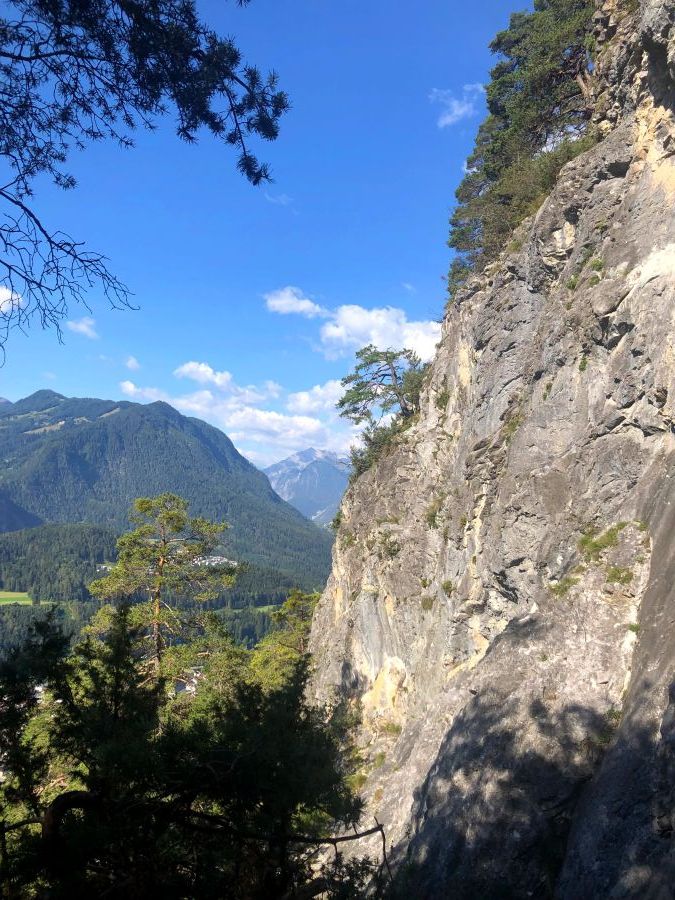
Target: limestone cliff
x,y
502,599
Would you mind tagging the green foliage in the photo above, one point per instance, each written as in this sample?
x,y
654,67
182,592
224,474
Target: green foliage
x,y
120,785
347,539
592,545
573,283
275,658
562,587
594,280
512,425
377,440
428,603
597,265
443,398
54,562
547,391
383,381
391,728
634,627
247,626
431,515
619,575
448,588
389,546
168,553
539,106
614,716
583,363
378,760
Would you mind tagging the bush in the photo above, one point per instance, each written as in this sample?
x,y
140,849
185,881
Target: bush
x,y
563,587
377,439
592,545
432,512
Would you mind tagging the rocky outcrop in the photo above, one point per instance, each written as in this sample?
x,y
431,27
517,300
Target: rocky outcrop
x,y
502,600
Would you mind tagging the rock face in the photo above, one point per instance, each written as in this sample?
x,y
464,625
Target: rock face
x,y
502,601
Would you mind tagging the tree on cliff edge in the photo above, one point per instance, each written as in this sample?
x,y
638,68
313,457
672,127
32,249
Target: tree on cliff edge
x,y
383,381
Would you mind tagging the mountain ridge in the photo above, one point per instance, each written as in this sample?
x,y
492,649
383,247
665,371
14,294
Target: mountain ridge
x,y
84,460
313,481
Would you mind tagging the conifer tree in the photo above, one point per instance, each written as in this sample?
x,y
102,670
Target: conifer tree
x,y
540,99
166,555
383,380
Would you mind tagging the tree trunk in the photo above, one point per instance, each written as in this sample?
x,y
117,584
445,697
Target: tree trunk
x,y
156,631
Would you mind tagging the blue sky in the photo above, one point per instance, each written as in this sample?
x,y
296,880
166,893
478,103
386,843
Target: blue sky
x,y
252,301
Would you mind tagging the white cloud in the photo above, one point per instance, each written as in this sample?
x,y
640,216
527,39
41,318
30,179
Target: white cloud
x,y
85,326
138,393
319,398
265,424
204,374
10,301
455,109
386,327
291,300
410,288
350,326
132,363
279,199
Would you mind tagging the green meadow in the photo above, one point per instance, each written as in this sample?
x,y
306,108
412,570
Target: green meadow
x,y
14,597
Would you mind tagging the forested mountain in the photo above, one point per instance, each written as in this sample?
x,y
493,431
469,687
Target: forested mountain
x,y
313,481
54,562
71,460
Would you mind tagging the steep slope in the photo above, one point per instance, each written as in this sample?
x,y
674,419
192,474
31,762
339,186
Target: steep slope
x,y
84,460
313,481
501,601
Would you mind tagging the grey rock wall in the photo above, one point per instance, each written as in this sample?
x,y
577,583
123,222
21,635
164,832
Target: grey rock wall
x,y
501,602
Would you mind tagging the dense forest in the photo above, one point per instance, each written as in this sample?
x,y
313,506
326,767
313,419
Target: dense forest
x,y
157,755
57,562
54,562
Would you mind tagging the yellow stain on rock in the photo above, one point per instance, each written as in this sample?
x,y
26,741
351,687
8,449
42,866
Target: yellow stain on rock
x,y
464,366
384,692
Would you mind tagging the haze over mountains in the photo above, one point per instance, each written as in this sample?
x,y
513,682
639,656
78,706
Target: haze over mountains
x,y
313,481
71,460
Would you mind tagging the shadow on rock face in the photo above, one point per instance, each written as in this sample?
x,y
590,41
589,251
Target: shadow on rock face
x,y
493,818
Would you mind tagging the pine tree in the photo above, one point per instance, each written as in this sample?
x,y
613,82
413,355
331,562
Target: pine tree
x,y
540,99
382,381
166,555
